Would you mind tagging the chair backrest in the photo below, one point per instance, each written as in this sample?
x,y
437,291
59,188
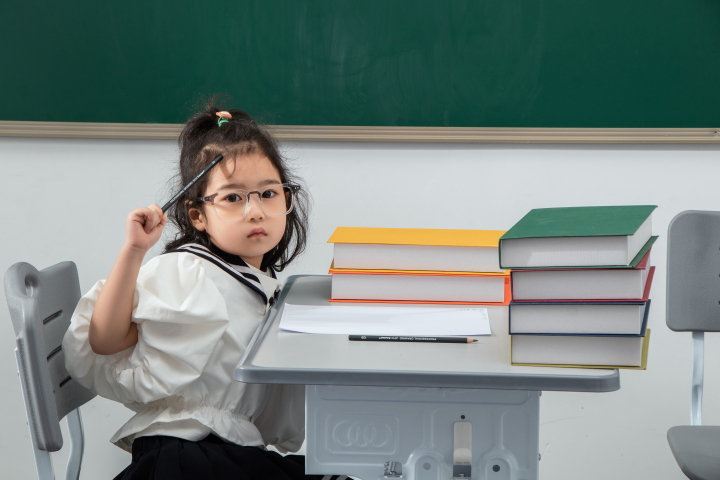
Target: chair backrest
x,y
41,304
693,272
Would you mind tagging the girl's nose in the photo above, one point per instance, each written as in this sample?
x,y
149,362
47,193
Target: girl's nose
x,y
255,207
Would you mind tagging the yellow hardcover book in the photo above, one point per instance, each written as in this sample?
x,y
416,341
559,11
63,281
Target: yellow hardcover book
x,y
643,361
358,271
417,249
417,236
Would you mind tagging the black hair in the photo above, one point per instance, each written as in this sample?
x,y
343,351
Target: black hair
x,y
201,140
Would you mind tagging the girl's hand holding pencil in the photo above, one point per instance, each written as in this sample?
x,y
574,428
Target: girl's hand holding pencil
x,y
111,326
143,227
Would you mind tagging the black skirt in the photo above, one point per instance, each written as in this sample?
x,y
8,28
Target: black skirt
x,y
169,458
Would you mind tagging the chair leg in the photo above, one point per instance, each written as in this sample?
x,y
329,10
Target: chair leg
x,y
43,461
698,352
77,445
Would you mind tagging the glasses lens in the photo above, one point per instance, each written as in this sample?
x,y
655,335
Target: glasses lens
x,y
230,204
276,200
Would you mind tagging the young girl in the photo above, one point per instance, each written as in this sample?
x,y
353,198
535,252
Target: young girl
x,y
164,339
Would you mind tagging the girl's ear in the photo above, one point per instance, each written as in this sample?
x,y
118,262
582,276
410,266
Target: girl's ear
x,y
197,218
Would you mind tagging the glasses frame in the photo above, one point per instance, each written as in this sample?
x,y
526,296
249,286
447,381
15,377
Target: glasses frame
x,y
290,188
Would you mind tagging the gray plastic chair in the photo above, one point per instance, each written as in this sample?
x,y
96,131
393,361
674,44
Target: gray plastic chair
x,y
41,304
693,305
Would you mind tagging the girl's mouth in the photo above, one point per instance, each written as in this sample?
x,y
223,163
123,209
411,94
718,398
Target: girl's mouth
x,y
257,232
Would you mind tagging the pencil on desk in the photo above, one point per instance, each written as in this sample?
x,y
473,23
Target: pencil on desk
x,y
375,338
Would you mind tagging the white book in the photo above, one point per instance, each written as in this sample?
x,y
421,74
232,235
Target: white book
x,y
436,288
579,318
579,284
577,350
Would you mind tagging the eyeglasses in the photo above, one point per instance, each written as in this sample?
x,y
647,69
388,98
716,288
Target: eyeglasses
x,y
234,204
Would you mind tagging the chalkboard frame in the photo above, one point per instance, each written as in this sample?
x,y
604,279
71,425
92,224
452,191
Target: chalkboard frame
x,y
305,133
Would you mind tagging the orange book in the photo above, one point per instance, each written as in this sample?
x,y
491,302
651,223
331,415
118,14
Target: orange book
x,y
417,249
407,286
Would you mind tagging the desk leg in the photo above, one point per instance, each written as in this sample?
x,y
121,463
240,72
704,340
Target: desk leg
x,y
355,430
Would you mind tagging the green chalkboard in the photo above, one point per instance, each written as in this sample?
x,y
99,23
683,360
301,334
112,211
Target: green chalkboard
x,y
483,63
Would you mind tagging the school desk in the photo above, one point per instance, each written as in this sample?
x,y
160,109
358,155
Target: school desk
x,y
417,411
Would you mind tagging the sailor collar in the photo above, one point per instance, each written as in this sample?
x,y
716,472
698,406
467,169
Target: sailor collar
x,y
233,265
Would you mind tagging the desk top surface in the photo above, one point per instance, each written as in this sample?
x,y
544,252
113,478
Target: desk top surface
x,y
275,356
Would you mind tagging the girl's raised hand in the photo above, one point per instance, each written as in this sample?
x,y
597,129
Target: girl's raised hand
x,y
144,226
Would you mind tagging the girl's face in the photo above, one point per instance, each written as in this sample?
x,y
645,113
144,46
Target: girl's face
x,y
256,234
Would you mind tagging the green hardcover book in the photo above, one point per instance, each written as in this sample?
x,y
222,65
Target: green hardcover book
x,y
579,237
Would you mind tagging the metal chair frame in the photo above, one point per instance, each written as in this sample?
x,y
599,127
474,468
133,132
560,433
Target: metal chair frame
x,y
693,305
43,460
41,304
698,371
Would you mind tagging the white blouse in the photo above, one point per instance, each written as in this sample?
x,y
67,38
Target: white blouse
x,y
194,323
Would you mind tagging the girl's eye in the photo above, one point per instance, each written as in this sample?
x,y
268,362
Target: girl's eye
x,y
269,193
233,197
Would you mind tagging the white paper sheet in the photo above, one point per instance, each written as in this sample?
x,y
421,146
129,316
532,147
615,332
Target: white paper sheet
x,y
367,320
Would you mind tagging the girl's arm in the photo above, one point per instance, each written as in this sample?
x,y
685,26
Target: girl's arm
x,y
111,326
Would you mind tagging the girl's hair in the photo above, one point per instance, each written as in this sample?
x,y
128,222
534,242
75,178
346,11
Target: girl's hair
x,y
200,142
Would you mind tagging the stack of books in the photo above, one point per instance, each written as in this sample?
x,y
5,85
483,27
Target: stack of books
x,y
580,280
409,265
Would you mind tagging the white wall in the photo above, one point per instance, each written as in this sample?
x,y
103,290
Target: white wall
x,y
67,200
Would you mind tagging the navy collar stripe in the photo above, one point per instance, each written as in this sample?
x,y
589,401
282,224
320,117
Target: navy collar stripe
x,y
248,279
243,270
229,270
237,262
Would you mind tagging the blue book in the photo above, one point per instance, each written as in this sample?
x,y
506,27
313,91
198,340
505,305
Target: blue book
x,y
627,319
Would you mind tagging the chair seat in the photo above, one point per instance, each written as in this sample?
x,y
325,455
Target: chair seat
x,y
697,450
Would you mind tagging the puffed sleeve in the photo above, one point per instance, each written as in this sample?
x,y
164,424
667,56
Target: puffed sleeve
x,y
180,315
282,421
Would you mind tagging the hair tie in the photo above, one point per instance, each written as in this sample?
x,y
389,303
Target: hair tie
x,y
223,117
